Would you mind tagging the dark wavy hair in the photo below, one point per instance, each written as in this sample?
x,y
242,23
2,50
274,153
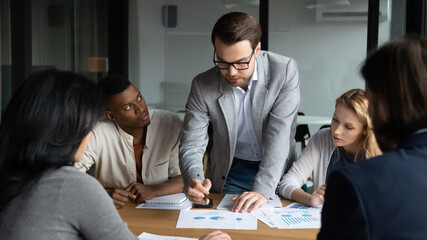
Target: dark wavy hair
x,y
43,126
396,82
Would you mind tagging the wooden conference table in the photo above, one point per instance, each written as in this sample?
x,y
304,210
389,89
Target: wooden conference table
x,y
163,222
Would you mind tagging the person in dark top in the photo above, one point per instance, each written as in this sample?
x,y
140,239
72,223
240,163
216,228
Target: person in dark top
x,y
382,197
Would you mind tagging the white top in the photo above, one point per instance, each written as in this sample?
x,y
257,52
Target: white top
x,y
314,159
247,147
111,150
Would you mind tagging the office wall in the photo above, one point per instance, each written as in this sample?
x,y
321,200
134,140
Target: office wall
x,y
163,61
51,44
66,33
329,53
147,49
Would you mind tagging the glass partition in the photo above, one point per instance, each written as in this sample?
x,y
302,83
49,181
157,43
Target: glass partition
x,y
328,41
70,35
170,44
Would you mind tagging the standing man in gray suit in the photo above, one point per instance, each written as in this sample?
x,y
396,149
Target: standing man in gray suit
x,y
251,98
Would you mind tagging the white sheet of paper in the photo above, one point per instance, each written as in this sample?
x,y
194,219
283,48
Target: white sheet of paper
x,y
286,218
176,198
185,205
149,236
296,205
260,215
227,203
216,219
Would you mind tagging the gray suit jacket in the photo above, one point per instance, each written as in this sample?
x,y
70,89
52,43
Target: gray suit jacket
x,y
275,102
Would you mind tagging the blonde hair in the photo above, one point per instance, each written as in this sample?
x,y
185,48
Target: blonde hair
x,y
355,100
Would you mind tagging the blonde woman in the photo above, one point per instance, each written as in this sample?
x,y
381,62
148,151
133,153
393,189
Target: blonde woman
x,y
350,139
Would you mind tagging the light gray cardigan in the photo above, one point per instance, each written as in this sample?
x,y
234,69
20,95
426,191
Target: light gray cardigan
x,y
63,204
314,159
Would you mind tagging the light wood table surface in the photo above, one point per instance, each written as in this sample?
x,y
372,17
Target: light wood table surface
x,y
163,222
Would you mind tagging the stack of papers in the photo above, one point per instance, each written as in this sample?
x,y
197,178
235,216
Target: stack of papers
x,y
290,217
176,201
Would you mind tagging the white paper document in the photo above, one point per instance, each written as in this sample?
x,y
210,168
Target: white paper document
x,y
227,203
301,206
294,215
149,236
216,219
260,215
288,218
176,198
184,205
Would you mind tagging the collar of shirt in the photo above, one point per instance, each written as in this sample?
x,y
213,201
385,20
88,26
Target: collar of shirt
x,y
129,138
123,134
254,77
247,146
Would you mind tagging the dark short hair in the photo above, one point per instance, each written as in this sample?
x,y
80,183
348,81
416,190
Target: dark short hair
x,y
112,84
396,76
235,27
43,126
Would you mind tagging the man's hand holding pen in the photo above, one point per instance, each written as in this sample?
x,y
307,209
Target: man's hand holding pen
x,y
198,190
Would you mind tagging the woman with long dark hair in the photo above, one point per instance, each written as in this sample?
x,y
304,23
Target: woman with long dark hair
x,y
45,129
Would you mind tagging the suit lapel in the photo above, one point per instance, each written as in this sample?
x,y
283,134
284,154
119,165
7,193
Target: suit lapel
x,y
259,98
226,103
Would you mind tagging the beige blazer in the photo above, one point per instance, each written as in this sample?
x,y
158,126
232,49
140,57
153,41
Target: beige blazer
x,y
110,149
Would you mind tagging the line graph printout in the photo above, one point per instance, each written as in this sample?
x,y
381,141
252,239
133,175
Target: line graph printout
x,y
216,219
293,218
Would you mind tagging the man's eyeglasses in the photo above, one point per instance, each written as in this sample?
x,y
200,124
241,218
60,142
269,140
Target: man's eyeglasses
x,y
236,65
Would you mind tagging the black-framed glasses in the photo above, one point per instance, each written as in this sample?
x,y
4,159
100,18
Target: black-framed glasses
x,y
236,65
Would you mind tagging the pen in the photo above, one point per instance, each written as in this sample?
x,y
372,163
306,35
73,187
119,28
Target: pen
x,y
204,198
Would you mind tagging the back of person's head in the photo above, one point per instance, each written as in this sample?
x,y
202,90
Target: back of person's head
x,y
112,84
43,126
396,84
356,101
235,27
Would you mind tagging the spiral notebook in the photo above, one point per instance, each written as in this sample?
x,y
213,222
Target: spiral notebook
x,y
173,201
